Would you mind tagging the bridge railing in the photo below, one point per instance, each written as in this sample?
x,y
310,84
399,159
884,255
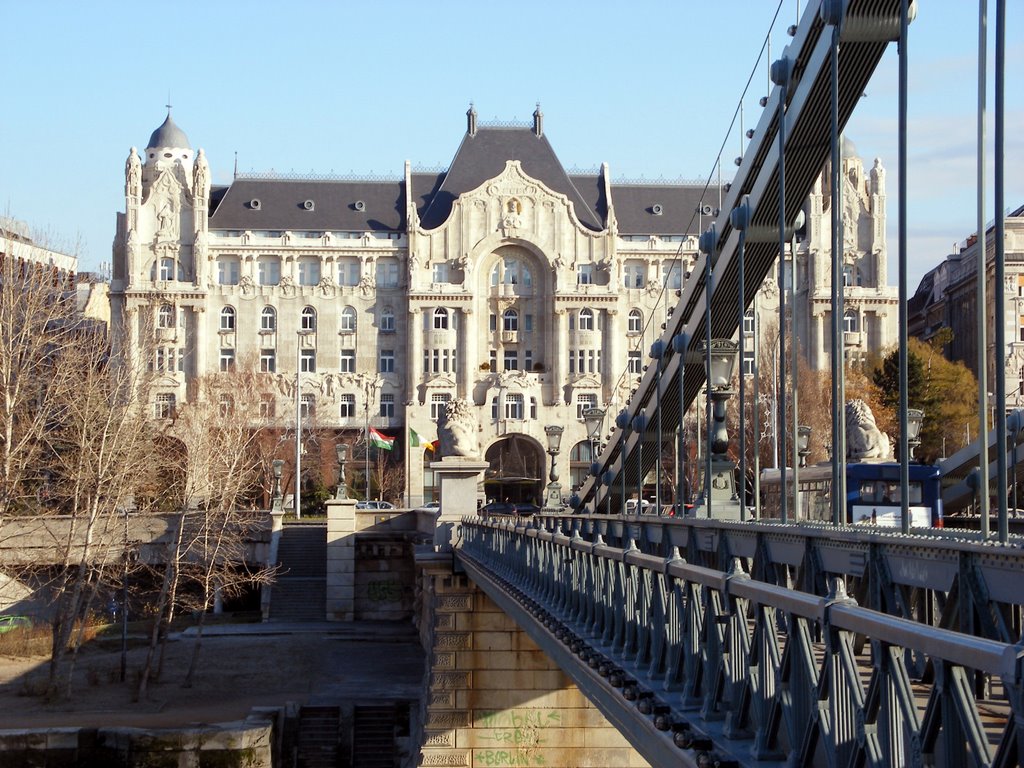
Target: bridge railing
x,y
757,672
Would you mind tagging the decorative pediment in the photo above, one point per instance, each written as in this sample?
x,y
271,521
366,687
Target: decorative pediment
x,y
440,381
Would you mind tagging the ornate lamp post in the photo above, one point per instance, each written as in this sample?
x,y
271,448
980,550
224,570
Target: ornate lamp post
x,y
803,443
720,484
594,419
915,416
342,451
553,495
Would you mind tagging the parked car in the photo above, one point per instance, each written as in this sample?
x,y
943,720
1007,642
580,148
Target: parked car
x,y
498,508
525,510
371,504
9,623
430,506
631,506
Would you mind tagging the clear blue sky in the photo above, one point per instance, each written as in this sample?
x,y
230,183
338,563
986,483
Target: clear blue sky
x,y
648,87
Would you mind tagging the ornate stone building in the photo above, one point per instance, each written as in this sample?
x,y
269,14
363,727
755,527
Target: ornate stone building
x,y
531,292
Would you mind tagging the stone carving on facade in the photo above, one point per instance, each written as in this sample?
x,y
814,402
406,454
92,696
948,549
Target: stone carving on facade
x,y
167,221
653,286
199,247
512,215
133,174
864,440
367,285
456,431
247,286
287,286
133,246
326,286
201,177
286,385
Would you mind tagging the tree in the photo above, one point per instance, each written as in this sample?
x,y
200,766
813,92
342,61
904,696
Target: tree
x,y
946,391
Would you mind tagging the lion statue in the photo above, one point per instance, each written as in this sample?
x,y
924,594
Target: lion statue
x,y
864,440
456,431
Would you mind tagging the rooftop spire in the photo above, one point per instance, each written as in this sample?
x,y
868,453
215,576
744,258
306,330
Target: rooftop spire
x,y
538,121
471,120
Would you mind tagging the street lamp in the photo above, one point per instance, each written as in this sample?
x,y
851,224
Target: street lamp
x,y
720,482
803,443
342,450
914,418
594,419
553,498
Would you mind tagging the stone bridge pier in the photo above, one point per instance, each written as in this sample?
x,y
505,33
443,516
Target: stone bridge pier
x,y
493,698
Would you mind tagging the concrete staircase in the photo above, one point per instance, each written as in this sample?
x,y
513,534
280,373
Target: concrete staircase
x,y
300,592
319,738
377,735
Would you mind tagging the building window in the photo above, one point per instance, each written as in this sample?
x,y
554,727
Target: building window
x,y
672,275
307,361
309,270
387,361
225,405
348,320
387,273
635,321
528,360
164,406
748,323
494,408
348,271
227,359
850,324
308,322
511,360
511,272
266,406
387,320
748,362
438,403
635,364
228,268
528,323
510,320
268,270
268,360
634,275
440,319
165,316
347,408
492,360
583,403
514,406
347,363
227,319
307,406
533,407
584,274
268,319
387,406
586,319
441,272
166,269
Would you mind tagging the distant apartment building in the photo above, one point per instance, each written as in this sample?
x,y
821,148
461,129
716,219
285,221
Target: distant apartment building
x,y
947,297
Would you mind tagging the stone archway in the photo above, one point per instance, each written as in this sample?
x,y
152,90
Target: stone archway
x,y
516,472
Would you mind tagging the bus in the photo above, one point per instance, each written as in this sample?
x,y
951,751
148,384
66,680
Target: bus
x,y
872,494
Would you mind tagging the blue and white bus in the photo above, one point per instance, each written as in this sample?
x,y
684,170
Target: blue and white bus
x,y
872,494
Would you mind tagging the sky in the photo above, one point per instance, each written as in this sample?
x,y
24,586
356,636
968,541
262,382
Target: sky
x,y
649,87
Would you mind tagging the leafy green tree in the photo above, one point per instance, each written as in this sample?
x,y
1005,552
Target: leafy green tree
x,y
946,391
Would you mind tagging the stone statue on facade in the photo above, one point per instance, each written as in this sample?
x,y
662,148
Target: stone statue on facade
x,y
133,174
864,440
201,177
456,431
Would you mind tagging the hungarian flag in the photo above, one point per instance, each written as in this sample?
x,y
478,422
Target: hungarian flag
x,y
383,442
415,441
432,447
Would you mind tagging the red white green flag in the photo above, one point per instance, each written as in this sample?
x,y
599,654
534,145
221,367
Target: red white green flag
x,y
383,442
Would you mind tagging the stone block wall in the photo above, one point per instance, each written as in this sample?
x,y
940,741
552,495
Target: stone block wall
x,y
495,699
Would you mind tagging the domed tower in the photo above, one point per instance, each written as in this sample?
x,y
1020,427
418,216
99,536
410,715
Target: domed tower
x,y
167,145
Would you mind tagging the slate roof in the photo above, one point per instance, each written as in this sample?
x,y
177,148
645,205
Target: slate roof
x,y
168,135
335,205
482,156
636,206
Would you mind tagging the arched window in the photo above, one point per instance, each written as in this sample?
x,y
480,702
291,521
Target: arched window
x,y
440,319
165,316
268,319
308,319
387,320
510,320
227,319
348,320
636,321
850,324
581,456
586,319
